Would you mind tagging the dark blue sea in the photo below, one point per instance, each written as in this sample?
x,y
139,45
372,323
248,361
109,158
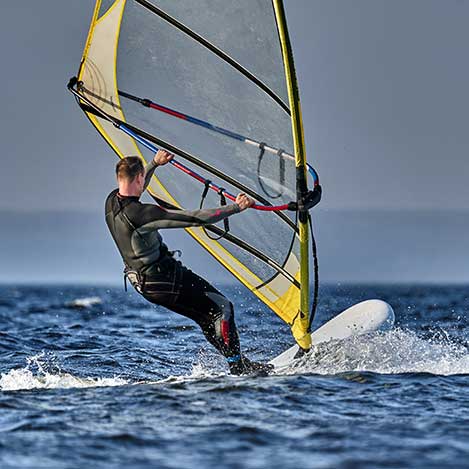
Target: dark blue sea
x,y
96,377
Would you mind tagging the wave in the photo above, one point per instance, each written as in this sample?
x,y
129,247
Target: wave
x,y
35,376
396,351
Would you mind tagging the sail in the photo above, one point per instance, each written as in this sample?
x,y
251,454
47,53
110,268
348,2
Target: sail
x,y
213,82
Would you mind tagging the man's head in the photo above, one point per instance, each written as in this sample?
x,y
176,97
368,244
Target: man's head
x,y
130,176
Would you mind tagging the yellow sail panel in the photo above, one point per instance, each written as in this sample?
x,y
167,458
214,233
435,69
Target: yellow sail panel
x,y
125,30
98,72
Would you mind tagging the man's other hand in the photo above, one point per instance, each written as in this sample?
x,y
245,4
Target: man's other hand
x,y
162,157
244,201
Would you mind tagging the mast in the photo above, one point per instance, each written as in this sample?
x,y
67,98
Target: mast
x,y
300,163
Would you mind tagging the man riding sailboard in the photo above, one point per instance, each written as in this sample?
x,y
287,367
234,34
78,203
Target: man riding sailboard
x,y
152,268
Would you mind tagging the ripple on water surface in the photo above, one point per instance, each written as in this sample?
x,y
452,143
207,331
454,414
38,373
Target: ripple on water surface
x,y
95,376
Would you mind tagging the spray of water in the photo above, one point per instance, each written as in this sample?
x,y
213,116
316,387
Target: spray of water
x,y
391,352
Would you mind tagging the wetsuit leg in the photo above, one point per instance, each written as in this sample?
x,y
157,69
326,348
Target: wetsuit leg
x,y
184,292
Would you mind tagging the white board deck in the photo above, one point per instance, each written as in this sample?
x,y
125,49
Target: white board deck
x,y
364,317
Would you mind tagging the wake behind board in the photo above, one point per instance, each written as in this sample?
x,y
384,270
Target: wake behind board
x,y
364,317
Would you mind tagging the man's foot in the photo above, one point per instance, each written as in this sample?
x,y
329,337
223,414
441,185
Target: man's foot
x,y
244,366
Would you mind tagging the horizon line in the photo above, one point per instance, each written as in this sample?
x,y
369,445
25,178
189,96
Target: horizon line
x,y
403,210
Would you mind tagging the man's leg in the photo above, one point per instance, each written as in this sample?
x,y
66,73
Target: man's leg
x,y
195,298
220,328
190,295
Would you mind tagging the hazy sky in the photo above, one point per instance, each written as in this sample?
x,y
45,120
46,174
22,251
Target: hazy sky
x,y
383,85
385,106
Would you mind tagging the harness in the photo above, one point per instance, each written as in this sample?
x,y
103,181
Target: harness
x,y
139,279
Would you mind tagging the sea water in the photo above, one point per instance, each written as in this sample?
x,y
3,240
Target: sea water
x,y
96,377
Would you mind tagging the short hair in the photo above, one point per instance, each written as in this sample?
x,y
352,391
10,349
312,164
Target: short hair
x,y
129,167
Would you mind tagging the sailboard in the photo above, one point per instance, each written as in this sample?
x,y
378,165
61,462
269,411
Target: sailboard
x,y
363,318
214,83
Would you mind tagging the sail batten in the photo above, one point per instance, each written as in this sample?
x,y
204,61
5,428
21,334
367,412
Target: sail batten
x,y
200,39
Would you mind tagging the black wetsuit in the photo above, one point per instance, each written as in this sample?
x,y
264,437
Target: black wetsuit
x,y
162,279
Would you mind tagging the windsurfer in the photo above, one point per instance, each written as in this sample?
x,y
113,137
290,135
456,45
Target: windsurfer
x,y
152,268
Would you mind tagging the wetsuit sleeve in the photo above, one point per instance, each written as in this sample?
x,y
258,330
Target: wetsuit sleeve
x,y
165,219
149,170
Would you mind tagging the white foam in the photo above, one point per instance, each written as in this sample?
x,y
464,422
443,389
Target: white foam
x,y
87,302
36,376
26,378
205,368
391,352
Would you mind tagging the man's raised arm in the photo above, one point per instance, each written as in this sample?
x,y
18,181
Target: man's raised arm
x,y
161,158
